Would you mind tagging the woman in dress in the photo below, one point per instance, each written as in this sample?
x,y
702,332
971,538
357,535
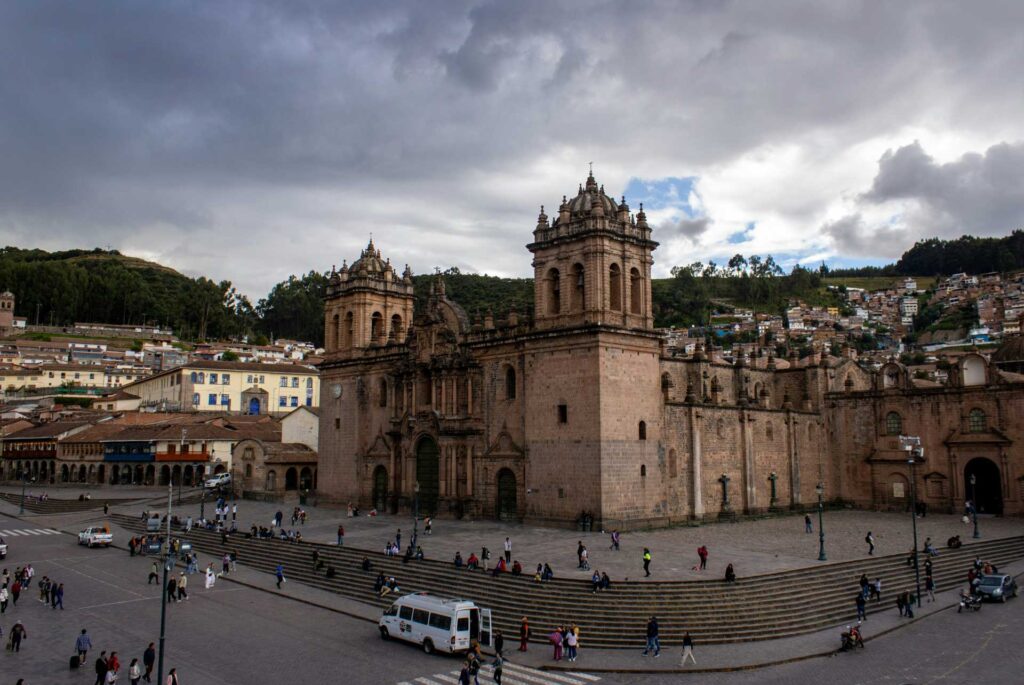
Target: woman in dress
x,y
211,577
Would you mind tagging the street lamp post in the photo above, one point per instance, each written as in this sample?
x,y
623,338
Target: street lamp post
x,y
821,523
912,446
415,514
168,560
24,482
181,477
974,505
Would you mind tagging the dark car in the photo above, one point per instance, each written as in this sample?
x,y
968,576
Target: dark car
x,y
997,588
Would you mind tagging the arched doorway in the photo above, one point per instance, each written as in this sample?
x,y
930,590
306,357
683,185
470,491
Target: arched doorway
x,y
64,473
271,480
380,489
101,474
188,475
306,478
254,406
291,479
988,491
115,474
150,475
428,475
165,475
507,505
219,468
139,471
82,474
176,475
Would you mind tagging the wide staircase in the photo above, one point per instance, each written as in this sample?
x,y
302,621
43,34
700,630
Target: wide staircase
x,y
756,608
61,506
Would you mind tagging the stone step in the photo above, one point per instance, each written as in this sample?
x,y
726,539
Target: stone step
x,y
791,603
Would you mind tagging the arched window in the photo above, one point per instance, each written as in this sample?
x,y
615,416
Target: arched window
x,y
642,430
893,423
194,376
643,470
977,422
615,288
376,327
271,480
510,383
554,294
769,433
202,378
396,327
334,334
579,283
383,392
349,324
636,291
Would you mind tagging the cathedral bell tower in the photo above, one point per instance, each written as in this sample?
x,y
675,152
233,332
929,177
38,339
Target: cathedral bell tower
x,y
366,305
592,264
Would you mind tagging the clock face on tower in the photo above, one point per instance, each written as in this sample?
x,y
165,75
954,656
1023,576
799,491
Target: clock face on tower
x,y
336,390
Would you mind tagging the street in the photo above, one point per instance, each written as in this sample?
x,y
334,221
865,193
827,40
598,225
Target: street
x,y
237,634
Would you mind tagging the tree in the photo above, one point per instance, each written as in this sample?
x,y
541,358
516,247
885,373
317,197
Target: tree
x,y
229,356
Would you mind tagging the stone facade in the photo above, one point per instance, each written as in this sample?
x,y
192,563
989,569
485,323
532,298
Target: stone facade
x,y
582,408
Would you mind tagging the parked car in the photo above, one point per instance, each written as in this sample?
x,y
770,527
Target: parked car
x,y
436,623
997,588
96,536
218,480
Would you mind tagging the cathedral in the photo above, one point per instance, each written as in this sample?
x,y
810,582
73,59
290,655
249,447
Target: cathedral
x,y
581,412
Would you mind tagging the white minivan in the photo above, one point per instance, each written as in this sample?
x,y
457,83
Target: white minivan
x,y
436,623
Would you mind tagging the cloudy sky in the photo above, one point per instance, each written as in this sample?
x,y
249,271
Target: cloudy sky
x,y
249,141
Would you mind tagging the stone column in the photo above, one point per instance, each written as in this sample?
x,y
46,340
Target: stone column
x,y
696,457
747,442
794,462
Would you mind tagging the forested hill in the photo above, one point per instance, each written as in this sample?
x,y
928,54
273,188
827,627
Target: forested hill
x,y
106,286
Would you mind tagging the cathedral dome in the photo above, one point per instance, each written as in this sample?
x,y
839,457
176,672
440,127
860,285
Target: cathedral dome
x,y
590,198
369,262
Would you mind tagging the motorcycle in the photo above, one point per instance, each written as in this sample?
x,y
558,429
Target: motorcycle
x,y
971,602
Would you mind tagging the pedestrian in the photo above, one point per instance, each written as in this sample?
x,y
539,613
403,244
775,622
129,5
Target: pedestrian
x,y
556,641
148,659
18,633
279,572
864,584
653,643
508,551
876,589
172,677
464,673
498,664
570,641
398,539
428,525
579,554
226,564
901,602
808,526
101,668
499,642
4,594
172,590
910,604
861,607
211,577
58,597
615,541
687,650
341,535
702,553
870,539
182,583
234,512
82,645
278,517
647,562
106,508
113,663
929,586
730,574
15,592
153,576
134,672
524,634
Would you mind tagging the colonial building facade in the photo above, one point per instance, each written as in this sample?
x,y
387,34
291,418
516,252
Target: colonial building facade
x,y
582,409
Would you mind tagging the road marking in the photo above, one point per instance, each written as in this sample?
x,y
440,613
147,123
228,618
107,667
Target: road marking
x,y
512,674
14,532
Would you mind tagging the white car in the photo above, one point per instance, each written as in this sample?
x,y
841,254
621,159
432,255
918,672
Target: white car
x,y
436,623
218,480
96,537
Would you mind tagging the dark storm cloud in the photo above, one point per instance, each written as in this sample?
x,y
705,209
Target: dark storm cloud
x,y
251,140
979,193
853,238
